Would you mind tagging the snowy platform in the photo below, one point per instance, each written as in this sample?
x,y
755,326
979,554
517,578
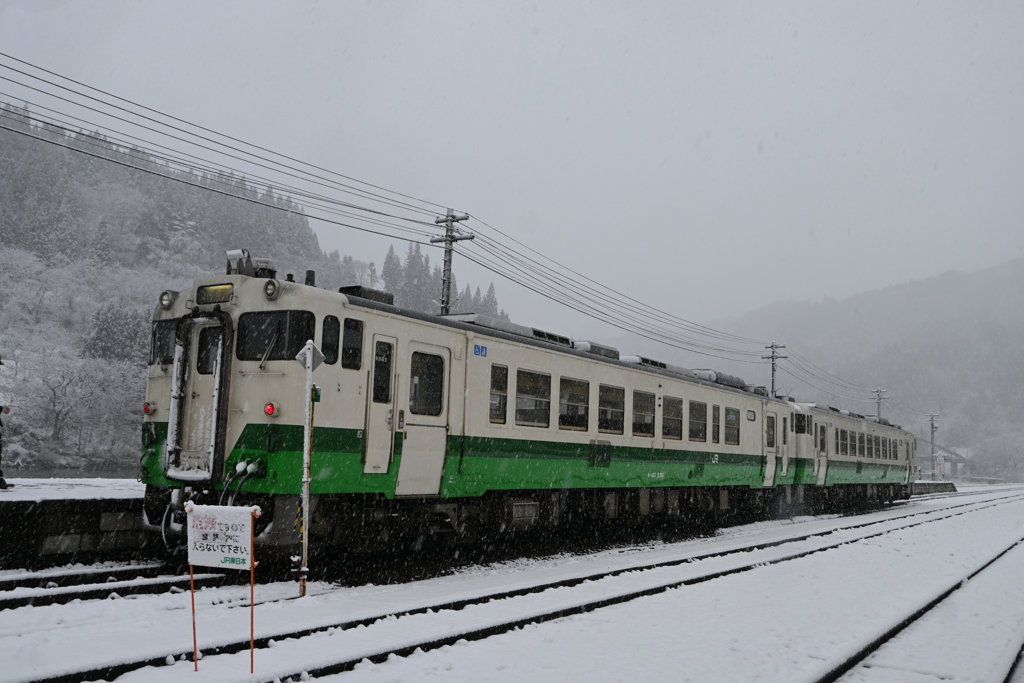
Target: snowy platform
x,y
43,521
71,489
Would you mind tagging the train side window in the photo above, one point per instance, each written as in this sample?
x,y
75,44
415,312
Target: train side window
x,y
822,439
769,431
162,349
426,384
499,393
611,409
837,441
878,447
698,421
785,432
871,447
672,418
843,445
643,413
799,423
861,446
533,399
352,344
716,418
382,372
885,448
573,404
732,426
330,338
206,354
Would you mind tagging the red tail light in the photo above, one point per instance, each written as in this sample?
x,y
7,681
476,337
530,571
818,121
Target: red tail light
x,y
148,408
271,409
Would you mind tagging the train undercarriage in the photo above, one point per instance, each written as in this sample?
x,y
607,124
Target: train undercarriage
x,y
373,523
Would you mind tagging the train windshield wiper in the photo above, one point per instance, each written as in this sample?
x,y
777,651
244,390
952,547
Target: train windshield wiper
x,y
273,341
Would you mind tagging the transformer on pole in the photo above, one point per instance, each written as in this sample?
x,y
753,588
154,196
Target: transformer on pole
x,y
450,236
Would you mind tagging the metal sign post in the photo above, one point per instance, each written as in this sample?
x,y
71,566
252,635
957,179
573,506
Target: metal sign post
x,y
311,357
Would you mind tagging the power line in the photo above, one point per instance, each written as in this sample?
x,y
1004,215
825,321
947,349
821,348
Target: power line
x,y
589,296
202,187
81,137
188,123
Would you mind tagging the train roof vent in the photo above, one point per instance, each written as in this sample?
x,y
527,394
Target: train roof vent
x,y
509,327
551,337
720,378
640,360
760,391
596,349
644,361
368,294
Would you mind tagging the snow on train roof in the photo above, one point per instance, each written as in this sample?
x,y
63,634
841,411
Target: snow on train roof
x,y
551,342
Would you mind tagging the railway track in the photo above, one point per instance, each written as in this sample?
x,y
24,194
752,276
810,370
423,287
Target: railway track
x,y
60,586
546,601
992,663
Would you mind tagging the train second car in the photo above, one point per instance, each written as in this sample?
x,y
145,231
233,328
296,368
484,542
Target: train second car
x,y
465,425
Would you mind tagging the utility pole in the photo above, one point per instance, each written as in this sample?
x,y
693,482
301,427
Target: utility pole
x,y
879,398
774,357
450,236
933,418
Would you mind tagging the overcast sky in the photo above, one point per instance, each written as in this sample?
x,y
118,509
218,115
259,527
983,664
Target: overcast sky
x,y
708,158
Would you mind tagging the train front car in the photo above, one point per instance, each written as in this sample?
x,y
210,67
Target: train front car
x,y
224,408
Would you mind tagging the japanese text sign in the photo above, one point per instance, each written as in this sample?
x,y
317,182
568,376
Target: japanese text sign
x,y
220,536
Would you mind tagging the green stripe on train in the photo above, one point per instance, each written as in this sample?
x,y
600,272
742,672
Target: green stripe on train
x,y
475,465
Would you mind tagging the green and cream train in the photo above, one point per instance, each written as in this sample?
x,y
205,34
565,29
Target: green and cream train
x,y
465,424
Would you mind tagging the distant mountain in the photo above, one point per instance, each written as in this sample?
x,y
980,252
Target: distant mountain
x,y
952,344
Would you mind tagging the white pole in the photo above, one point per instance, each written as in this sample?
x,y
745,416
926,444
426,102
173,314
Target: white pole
x,y
306,457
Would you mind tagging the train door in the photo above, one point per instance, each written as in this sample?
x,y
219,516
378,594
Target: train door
x,y
771,447
426,422
198,401
822,453
380,407
787,427
198,428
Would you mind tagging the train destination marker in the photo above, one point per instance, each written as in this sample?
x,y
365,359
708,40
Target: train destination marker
x,y
222,536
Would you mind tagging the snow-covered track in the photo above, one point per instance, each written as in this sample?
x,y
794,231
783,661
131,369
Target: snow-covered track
x,y
137,585
838,668
77,575
540,602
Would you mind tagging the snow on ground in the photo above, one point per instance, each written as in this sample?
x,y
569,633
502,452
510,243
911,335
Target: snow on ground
x,y
972,637
783,622
781,618
72,489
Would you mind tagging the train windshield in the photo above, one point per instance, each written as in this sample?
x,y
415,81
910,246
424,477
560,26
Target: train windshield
x,y
273,335
162,348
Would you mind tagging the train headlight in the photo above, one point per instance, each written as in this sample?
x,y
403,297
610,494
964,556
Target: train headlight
x,y
271,409
167,298
148,408
272,288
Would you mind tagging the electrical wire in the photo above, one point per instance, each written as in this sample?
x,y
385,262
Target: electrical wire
x,y
542,275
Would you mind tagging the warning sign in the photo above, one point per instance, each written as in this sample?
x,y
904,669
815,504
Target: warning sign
x,y
220,536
